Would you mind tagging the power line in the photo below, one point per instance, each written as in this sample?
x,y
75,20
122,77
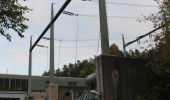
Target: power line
x,y
84,40
81,6
88,46
129,4
123,17
120,17
85,15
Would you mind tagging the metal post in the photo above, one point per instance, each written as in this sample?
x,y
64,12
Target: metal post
x,y
59,53
30,69
103,27
52,48
77,31
124,47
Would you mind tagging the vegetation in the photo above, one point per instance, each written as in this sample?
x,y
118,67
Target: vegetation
x,y
12,17
158,87
82,68
114,50
79,69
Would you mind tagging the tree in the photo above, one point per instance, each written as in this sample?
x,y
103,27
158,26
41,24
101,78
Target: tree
x,y
136,53
159,56
79,69
71,70
58,72
114,50
65,72
12,18
45,73
88,68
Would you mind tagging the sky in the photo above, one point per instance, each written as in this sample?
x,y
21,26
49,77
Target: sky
x,y
122,19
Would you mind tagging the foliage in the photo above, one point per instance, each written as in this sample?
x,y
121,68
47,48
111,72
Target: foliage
x,y
79,69
135,53
45,73
82,68
159,56
58,72
114,50
89,68
12,17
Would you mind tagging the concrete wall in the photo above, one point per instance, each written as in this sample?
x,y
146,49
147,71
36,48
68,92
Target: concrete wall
x,y
52,92
74,92
13,94
39,95
119,78
58,93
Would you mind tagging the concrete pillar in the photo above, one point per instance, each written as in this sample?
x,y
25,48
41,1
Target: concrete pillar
x,y
52,91
119,78
29,98
51,70
103,27
107,82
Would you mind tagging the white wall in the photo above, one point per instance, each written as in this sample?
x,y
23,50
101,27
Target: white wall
x,y
8,94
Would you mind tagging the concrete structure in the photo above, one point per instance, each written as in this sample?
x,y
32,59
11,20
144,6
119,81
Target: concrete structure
x,y
15,87
103,27
51,70
119,78
52,91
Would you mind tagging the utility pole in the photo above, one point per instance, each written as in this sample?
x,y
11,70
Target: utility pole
x,y
52,88
103,27
51,70
101,79
30,69
124,47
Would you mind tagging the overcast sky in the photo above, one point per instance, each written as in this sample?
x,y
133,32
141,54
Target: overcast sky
x,y
122,20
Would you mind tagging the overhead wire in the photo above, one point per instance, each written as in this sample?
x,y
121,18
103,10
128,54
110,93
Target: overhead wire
x,y
128,4
86,15
86,46
120,17
85,40
98,40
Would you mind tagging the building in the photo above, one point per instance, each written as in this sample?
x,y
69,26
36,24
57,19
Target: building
x,y
15,87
